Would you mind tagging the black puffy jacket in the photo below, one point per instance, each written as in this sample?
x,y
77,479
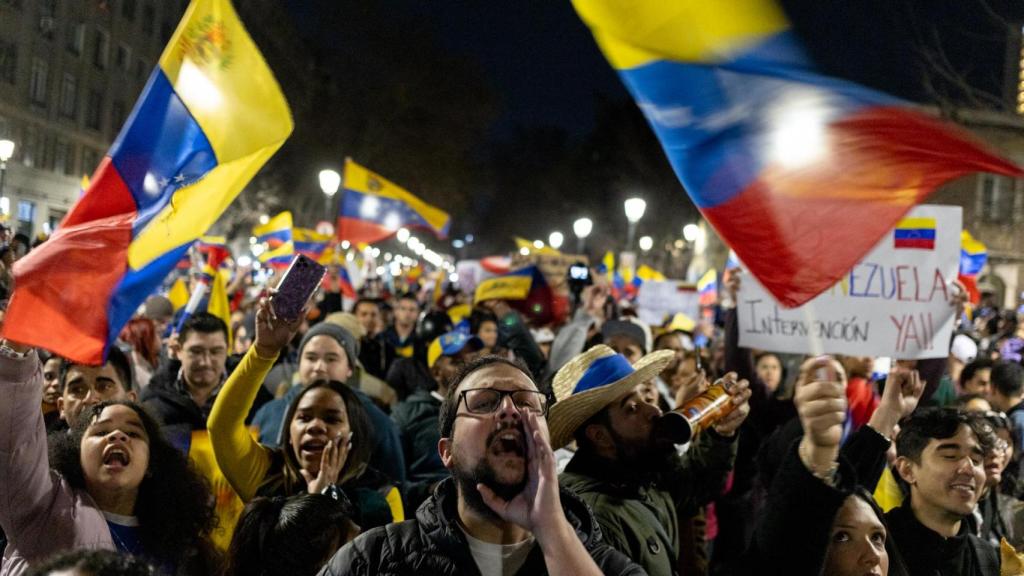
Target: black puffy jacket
x,y
433,544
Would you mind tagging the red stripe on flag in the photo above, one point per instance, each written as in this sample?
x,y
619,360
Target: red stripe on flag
x,y
65,285
799,231
356,231
923,243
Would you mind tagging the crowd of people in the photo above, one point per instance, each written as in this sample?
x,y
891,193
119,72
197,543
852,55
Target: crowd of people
x,y
401,433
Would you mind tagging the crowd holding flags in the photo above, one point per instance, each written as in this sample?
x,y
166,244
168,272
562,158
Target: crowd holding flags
x,y
800,173
209,117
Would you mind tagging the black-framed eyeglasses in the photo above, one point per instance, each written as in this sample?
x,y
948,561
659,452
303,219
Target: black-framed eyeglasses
x,y
482,401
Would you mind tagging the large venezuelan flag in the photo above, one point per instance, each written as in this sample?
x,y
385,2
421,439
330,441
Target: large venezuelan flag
x,y
374,208
276,235
208,119
800,173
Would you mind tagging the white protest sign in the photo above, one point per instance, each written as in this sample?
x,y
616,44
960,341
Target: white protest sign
x,y
897,301
658,299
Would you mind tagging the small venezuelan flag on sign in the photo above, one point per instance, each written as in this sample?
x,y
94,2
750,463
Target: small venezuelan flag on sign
x,y
915,233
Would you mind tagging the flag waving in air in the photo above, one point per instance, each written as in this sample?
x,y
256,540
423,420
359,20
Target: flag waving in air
x,y
276,237
374,208
313,245
802,174
209,117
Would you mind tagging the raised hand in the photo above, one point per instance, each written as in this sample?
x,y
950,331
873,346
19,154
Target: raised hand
x,y
272,333
332,461
740,392
538,507
821,406
903,389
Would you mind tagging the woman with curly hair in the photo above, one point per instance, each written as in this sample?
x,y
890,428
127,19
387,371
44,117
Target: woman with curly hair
x,y
325,437
112,482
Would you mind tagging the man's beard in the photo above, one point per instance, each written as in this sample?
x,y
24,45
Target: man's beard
x,y
643,461
484,473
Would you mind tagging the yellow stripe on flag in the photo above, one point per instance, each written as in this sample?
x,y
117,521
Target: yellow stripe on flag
x,y
633,33
503,288
218,73
917,223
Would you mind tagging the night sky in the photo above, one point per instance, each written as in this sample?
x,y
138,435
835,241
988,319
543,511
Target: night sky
x,y
547,71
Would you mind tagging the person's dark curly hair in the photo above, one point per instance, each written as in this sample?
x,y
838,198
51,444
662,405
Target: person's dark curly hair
x,y
174,506
89,562
289,536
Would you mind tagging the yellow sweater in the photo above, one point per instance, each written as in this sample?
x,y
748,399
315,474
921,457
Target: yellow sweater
x,y
242,459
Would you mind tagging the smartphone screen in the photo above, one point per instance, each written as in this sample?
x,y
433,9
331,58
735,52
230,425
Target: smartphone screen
x,y
300,281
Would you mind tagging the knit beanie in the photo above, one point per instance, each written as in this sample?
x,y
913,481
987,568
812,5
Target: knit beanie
x,y
342,336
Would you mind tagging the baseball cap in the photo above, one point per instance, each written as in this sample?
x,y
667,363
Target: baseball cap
x,y
451,344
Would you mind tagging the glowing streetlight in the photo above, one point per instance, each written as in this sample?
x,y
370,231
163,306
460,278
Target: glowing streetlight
x,y
690,232
538,244
582,228
555,240
402,235
329,183
635,208
646,243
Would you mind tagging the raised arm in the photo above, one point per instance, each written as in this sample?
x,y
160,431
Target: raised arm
x,y
243,460
28,490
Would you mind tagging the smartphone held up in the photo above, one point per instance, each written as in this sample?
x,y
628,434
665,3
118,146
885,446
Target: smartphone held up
x,y
300,281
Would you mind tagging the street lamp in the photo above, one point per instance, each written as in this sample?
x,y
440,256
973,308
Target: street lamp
x,y
582,229
690,232
329,183
402,235
6,151
555,240
646,243
635,208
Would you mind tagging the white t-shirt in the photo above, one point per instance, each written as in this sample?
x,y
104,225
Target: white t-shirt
x,y
499,559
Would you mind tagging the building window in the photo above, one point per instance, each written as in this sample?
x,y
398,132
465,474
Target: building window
x,y
117,114
94,110
128,9
100,49
68,96
90,160
28,150
64,160
996,200
75,41
26,215
123,57
47,17
148,19
8,62
37,88
54,220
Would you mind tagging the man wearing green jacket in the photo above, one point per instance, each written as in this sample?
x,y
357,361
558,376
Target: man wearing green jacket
x,y
636,485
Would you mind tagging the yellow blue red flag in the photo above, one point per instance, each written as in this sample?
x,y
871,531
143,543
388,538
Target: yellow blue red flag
x,y
801,173
276,236
313,244
209,117
374,208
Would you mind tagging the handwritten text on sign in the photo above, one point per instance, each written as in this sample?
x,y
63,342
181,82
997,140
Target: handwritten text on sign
x,y
896,302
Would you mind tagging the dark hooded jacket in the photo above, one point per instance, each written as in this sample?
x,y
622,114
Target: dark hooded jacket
x,y
433,544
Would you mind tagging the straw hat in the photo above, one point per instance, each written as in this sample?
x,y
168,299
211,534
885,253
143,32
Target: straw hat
x,y
593,380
